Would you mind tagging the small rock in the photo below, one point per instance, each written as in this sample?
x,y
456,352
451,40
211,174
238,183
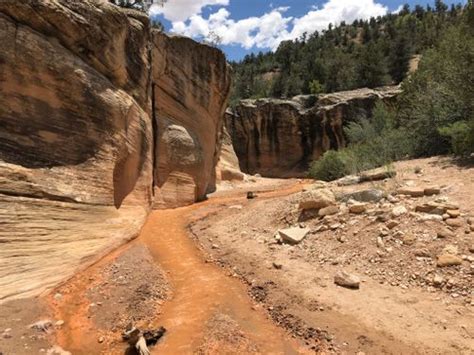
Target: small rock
x,y
432,190
42,325
422,253
358,208
399,211
370,195
448,260
236,207
471,249
391,224
380,243
277,265
409,239
392,199
347,280
438,280
293,235
470,221
57,350
411,191
215,246
450,249
445,233
453,213
327,211
101,340
59,323
58,296
453,222
251,195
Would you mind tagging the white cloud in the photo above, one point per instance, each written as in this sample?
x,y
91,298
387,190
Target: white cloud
x,y
268,30
336,11
397,11
181,10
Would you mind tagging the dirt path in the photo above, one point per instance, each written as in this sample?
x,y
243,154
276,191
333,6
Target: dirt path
x,y
207,311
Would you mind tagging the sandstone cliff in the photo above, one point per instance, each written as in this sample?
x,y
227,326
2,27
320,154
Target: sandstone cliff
x,y
80,156
279,138
191,84
228,165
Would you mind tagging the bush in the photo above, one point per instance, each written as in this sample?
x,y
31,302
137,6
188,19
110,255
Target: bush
x,y
461,136
333,165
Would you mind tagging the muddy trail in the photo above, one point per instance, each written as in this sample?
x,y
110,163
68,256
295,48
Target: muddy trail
x,y
207,310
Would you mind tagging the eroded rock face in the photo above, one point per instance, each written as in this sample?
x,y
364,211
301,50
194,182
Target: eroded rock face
x,y
80,152
228,168
280,138
75,138
191,84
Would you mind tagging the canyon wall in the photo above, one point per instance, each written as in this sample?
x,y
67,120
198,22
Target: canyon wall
x,y
280,138
191,84
81,148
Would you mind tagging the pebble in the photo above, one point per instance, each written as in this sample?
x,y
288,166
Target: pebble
x,y
448,260
347,280
453,222
399,211
445,233
101,340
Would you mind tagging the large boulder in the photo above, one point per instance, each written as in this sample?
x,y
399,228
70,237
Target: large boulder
x,y
315,199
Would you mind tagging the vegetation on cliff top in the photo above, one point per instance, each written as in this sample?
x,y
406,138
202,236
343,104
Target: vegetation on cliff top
x,y
362,54
434,114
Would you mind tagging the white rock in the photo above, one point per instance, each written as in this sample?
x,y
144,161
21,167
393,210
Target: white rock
x,y
293,235
398,211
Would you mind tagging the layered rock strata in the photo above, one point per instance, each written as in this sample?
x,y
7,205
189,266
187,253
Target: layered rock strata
x,y
280,138
82,138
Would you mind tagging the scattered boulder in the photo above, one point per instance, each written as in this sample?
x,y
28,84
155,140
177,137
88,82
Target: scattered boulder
x,y
344,279
391,224
358,208
438,280
293,235
411,191
409,239
327,211
316,199
445,260
450,249
432,190
398,211
453,213
453,222
377,174
370,195
348,180
445,233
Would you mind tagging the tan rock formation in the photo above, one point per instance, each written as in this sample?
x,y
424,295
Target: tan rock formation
x,y
279,138
191,84
77,137
228,165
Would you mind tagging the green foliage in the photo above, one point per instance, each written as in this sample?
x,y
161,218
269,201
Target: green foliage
x,y
374,142
365,53
441,93
461,136
315,87
333,165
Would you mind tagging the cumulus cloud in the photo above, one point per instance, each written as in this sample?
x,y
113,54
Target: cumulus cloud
x,y
336,11
181,10
268,30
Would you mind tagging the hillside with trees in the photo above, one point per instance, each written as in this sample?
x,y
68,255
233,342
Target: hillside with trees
x,y
362,54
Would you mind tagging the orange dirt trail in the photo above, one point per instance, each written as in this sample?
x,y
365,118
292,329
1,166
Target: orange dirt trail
x,y
200,289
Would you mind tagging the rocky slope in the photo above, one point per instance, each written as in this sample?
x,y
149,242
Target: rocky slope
x,y
279,138
80,156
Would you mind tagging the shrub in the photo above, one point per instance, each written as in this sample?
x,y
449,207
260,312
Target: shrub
x,y
461,136
332,165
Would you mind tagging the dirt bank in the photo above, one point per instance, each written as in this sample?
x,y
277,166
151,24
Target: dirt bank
x,y
397,309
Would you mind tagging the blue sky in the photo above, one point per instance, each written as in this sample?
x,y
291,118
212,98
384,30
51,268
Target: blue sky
x,y
245,26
